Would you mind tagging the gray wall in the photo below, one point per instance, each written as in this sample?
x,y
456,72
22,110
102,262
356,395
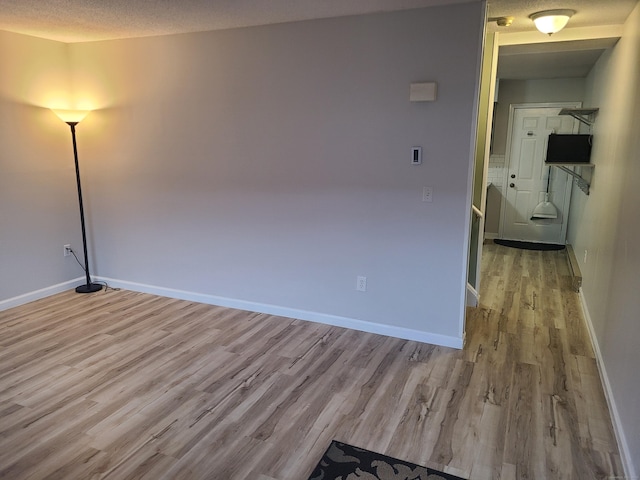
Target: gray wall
x,y
605,224
38,199
270,165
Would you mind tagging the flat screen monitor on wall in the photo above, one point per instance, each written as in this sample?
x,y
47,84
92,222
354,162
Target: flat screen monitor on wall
x,y
563,148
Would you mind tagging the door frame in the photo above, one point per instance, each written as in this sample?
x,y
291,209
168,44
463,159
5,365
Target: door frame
x,y
488,76
507,160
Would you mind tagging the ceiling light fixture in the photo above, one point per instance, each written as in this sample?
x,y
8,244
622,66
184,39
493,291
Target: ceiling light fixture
x,y
502,21
551,21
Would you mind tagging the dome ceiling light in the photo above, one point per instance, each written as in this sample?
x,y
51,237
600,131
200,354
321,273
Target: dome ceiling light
x,y
551,21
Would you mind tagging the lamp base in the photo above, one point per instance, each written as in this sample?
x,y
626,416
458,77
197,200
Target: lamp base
x,y
89,288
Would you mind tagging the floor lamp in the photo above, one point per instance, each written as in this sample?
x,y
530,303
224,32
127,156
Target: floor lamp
x,y
72,118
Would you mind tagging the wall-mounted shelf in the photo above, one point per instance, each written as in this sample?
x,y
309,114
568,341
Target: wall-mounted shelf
x,y
581,182
584,115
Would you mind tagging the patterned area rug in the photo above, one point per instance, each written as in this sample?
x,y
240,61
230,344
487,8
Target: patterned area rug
x,y
345,462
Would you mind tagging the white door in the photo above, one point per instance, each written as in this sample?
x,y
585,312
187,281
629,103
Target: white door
x,y
527,176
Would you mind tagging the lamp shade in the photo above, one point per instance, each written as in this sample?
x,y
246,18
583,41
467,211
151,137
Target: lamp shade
x,y
71,116
551,21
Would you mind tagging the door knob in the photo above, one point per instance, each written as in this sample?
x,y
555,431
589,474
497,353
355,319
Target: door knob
x,y
513,175
512,185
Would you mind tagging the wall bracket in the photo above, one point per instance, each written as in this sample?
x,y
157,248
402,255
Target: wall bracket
x,y
583,184
584,115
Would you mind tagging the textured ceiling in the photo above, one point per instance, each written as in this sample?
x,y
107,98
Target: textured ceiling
x,y
589,13
90,20
559,59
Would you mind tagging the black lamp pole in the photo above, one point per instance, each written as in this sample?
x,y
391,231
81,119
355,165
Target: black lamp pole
x,y
89,287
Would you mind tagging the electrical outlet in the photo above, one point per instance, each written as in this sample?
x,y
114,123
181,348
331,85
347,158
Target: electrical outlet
x,y
67,249
585,257
361,284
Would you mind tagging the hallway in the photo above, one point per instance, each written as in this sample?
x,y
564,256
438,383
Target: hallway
x,y
543,394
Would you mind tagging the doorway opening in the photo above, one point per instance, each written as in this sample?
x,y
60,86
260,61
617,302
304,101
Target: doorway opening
x,y
526,73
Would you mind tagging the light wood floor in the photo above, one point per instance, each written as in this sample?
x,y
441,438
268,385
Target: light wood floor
x,y
121,385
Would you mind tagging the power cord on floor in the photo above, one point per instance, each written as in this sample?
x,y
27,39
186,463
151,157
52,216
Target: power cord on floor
x,y
84,269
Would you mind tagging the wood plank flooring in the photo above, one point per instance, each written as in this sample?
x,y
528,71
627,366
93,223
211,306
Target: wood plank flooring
x,y
122,385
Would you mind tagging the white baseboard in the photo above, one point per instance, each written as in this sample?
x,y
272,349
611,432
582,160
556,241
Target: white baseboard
x,y
473,297
354,324
38,294
625,454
